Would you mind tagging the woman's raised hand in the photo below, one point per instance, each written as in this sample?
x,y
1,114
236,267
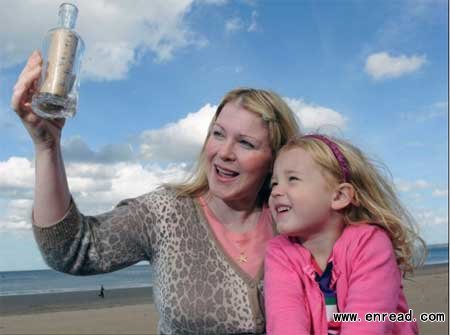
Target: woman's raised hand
x,y
45,133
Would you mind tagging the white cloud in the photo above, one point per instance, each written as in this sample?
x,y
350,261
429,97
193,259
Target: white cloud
x,y
180,141
90,170
16,172
440,193
253,24
136,179
17,216
430,217
116,33
314,117
433,226
95,187
408,186
119,56
382,65
234,24
434,111
237,23
124,180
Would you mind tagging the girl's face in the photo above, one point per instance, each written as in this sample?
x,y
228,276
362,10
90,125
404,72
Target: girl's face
x,y
301,196
238,154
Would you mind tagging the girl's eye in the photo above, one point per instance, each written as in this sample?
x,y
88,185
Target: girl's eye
x,y
273,184
247,144
293,178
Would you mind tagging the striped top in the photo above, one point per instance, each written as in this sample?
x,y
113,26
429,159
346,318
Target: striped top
x,y
323,278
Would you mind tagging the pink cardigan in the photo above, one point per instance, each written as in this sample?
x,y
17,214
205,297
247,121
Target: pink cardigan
x,y
366,279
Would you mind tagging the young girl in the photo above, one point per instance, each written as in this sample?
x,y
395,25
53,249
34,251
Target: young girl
x,y
344,243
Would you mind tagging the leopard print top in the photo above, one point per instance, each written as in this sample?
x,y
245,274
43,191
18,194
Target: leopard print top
x,y
198,288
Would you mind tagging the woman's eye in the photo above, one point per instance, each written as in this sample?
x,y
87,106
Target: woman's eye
x,y
247,144
217,133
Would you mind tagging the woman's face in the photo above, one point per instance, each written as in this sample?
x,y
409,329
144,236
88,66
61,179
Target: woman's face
x,y
238,155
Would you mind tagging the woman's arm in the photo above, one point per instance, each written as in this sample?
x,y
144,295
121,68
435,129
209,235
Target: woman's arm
x,y
283,294
52,196
69,241
51,192
83,245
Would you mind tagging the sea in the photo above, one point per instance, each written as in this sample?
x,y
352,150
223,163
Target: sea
x,y
50,281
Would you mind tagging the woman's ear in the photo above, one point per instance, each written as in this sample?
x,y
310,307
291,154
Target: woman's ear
x,y
343,196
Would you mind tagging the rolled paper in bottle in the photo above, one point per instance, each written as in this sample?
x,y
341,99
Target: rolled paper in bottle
x,y
58,78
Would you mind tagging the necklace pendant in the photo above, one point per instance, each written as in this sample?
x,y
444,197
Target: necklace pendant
x,y
242,258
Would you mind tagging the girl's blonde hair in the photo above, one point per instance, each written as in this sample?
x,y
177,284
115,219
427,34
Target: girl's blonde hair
x,y
279,119
375,198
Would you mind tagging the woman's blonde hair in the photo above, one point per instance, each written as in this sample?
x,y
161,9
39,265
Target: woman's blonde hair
x,y
375,198
281,124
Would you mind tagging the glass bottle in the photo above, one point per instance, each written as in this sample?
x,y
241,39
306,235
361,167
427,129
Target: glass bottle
x,y
61,51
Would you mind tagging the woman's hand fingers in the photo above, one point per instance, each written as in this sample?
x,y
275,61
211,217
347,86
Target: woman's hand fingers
x,y
34,59
44,133
26,85
34,64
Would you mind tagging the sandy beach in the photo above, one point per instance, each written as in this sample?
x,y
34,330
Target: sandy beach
x,y
131,311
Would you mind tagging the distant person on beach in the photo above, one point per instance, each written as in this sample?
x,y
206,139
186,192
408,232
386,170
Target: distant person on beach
x,y
344,243
205,238
102,292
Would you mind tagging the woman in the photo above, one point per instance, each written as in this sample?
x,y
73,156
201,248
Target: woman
x,y
205,238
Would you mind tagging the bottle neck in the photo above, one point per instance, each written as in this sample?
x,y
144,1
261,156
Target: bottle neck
x,y
67,15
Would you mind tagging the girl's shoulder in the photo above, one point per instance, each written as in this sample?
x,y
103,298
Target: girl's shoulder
x,y
362,230
364,237
367,248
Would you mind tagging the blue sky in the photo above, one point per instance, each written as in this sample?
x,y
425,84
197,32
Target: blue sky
x,y
373,72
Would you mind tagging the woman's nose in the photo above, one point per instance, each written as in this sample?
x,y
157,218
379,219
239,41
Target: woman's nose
x,y
226,151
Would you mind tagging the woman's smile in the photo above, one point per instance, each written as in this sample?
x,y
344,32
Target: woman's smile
x,y
225,175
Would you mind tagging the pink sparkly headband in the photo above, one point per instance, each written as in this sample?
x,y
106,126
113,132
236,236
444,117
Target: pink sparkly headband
x,y
336,152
